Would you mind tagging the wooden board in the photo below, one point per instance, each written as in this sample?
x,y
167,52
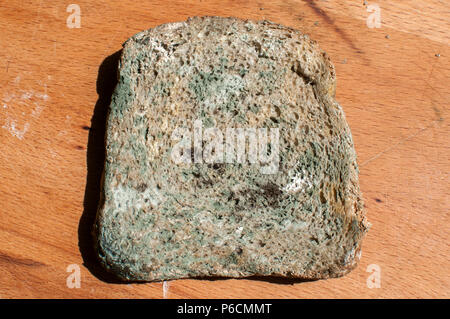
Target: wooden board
x,y
55,86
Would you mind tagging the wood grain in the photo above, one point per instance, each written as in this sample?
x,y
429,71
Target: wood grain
x,y
55,86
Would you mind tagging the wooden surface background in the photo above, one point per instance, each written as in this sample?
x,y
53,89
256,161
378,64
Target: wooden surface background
x,y
55,86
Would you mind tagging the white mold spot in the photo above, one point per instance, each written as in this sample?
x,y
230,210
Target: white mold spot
x,y
125,198
299,182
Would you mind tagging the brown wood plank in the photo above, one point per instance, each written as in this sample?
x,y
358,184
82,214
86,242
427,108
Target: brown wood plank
x,y
55,84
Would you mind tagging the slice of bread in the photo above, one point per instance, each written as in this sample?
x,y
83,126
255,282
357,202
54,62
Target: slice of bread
x,y
176,204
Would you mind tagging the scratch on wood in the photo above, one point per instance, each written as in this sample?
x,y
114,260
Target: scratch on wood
x,y
440,119
399,142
